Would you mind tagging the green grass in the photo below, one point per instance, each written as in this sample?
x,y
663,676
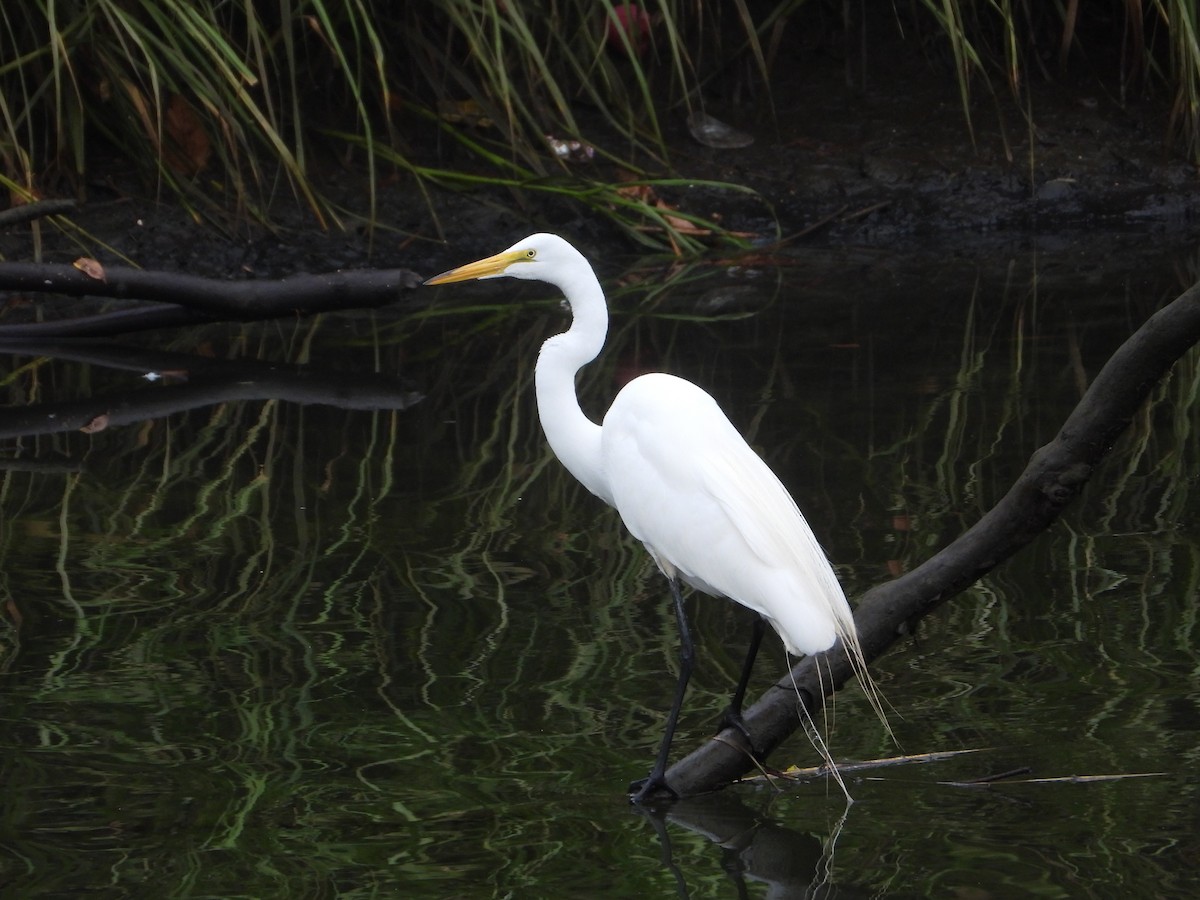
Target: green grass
x,y
233,106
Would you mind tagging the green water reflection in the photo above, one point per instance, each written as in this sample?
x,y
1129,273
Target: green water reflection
x,y
266,649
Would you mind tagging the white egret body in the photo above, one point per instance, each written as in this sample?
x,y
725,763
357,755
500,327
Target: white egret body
x,y
684,481
710,510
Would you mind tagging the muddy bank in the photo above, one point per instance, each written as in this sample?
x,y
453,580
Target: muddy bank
x,y
899,163
891,166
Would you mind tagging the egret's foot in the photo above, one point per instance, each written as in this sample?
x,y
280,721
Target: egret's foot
x,y
732,718
653,787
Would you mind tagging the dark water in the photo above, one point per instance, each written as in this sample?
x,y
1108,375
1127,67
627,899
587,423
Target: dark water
x,y
258,648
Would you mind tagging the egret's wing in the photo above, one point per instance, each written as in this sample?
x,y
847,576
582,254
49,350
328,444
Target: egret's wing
x,y
687,484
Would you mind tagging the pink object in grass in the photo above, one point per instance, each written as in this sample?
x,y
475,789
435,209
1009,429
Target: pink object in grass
x,y
634,22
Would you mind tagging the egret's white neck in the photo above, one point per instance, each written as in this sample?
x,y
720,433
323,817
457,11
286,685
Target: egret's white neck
x,y
573,437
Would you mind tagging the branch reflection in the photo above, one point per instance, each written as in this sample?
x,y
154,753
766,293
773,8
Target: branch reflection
x,y
199,381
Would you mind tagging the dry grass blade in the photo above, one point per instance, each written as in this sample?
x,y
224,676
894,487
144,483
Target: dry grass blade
x,y
800,774
1058,779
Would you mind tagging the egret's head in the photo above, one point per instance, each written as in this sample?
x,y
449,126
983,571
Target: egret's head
x,y
539,257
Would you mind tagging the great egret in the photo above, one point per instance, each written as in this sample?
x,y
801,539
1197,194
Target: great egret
x,y
685,483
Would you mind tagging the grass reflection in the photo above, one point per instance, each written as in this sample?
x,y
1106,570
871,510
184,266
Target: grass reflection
x,y
268,649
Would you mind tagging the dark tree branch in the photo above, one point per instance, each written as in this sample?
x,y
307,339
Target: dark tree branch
x,y
27,212
186,299
1055,475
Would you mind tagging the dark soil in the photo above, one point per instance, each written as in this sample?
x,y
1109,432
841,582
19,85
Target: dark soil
x,y
888,161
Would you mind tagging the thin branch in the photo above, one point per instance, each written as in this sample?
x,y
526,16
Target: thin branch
x,y
185,299
38,209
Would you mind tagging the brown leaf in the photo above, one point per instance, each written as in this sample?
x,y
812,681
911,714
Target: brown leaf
x,y
190,149
90,267
463,112
680,224
639,192
97,424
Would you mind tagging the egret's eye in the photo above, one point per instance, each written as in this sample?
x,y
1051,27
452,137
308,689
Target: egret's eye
x,y
530,254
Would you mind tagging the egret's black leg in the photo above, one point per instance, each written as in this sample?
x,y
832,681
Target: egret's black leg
x,y
732,717
656,781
